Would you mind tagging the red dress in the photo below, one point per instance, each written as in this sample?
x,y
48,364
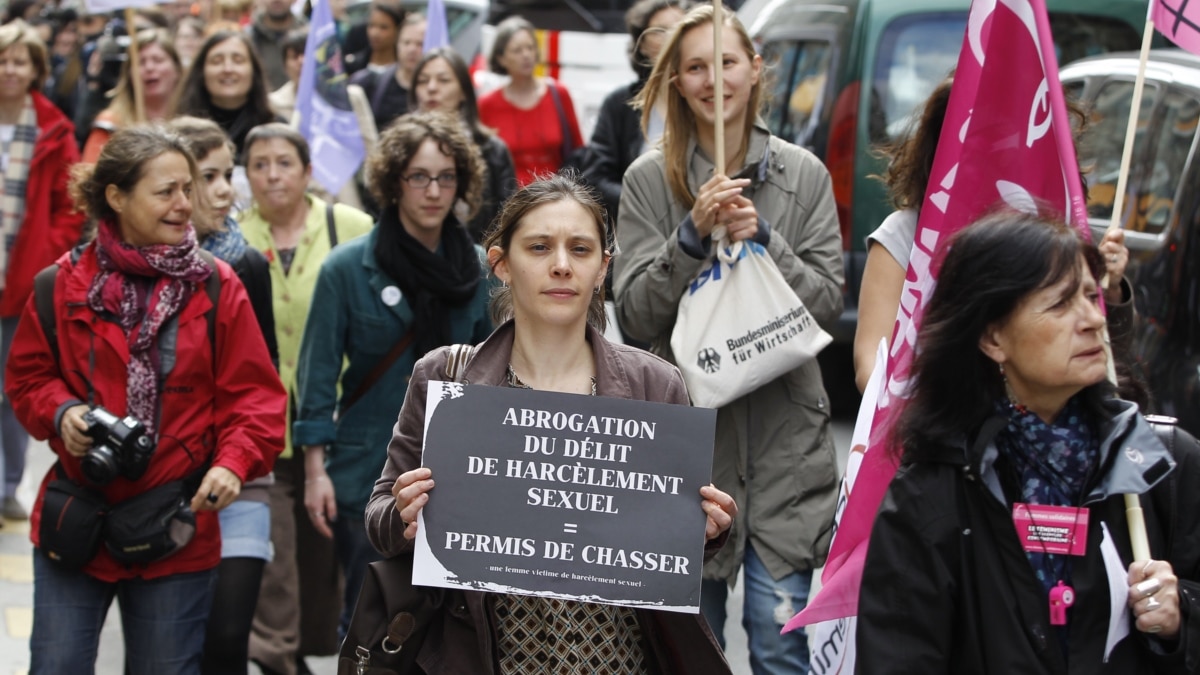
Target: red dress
x,y
535,135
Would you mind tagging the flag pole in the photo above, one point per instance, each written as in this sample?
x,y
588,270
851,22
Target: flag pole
x,y
718,88
1131,130
135,71
1133,504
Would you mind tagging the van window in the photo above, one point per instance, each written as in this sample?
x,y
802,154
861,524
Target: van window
x,y
800,68
916,52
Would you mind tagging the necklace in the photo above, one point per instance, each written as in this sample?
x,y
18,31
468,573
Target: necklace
x,y
514,381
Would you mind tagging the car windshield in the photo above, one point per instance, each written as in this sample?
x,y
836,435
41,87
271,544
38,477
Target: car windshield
x,y
1166,132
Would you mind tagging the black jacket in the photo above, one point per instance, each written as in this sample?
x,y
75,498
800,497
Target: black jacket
x,y
498,185
947,587
255,274
616,141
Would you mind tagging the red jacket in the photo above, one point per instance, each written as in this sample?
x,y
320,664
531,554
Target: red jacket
x,y
51,225
233,408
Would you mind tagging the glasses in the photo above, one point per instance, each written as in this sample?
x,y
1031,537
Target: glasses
x,y
421,181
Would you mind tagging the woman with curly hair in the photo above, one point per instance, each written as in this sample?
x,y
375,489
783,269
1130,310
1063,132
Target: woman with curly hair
x,y
414,283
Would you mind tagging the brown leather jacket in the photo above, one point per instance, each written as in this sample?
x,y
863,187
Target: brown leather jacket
x,y
676,643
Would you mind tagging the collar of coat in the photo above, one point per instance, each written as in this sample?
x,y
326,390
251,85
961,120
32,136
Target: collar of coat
x,y
489,363
756,166
1132,457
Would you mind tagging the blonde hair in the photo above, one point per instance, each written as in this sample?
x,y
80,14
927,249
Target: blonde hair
x,y
680,120
17,32
122,106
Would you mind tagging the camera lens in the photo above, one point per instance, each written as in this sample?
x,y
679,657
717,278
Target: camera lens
x,y
100,465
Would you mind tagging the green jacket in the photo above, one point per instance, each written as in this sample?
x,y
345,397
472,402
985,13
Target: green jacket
x,y
350,322
293,292
774,451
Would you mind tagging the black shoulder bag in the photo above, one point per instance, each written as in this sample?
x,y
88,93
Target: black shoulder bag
x,y
392,617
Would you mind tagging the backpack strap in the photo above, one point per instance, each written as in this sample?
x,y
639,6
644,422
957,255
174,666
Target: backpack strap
x,y
212,286
331,224
43,299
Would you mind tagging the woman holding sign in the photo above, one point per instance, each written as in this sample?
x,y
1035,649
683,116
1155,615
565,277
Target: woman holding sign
x,y
1002,545
774,442
551,250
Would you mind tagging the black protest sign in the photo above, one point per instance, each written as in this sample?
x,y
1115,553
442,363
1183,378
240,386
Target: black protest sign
x,y
578,497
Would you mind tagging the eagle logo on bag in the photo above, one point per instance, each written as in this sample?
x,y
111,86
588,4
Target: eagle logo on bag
x,y
709,360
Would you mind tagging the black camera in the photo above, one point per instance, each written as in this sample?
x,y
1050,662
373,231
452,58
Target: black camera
x,y
121,447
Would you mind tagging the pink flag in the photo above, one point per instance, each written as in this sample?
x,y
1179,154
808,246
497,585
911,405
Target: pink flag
x,y
1179,20
1006,140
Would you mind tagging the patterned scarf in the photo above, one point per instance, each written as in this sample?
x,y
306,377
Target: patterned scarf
x,y
143,287
228,244
1052,463
15,177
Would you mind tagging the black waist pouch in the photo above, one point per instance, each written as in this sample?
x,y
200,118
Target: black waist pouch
x,y
72,522
151,526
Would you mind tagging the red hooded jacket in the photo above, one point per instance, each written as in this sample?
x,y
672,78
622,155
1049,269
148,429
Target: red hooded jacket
x,y
51,225
231,410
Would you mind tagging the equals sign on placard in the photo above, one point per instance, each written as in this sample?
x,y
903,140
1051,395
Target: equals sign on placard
x,y
570,528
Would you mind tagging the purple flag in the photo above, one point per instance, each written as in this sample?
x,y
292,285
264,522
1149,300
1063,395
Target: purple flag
x,y
326,119
437,32
1179,20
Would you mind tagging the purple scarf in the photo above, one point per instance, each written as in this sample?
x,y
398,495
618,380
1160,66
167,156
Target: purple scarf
x,y
144,285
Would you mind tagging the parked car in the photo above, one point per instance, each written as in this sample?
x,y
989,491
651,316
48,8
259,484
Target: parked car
x,y
1162,208
849,73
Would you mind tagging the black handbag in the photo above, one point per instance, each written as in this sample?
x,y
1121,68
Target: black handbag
x,y
72,521
391,619
151,526
392,616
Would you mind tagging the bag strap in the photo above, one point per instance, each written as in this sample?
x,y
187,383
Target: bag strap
x,y
456,361
380,88
331,225
1165,429
380,368
568,142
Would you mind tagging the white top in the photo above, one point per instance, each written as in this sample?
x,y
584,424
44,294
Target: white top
x,y
7,131
896,235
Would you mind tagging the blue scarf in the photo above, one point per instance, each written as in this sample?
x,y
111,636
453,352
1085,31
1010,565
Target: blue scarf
x,y
228,244
1052,463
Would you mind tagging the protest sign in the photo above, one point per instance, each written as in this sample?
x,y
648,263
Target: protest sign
x,y
559,495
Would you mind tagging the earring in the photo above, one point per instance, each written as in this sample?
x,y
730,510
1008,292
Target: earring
x,y
596,291
1008,391
503,284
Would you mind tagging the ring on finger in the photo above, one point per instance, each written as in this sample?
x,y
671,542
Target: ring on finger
x,y
1149,587
1152,604
1154,629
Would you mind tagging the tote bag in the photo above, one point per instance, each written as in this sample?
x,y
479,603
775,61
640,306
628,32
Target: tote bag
x,y
740,325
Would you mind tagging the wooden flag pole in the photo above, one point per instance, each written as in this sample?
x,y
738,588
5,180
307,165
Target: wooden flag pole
x,y
718,88
1133,504
135,71
1138,539
1131,130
